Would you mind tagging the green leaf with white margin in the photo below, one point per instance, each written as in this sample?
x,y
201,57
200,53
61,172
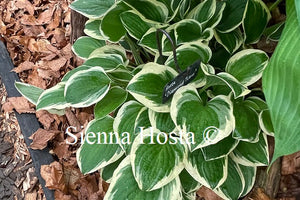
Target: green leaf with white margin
x,y
155,159
209,173
189,184
255,20
124,123
256,103
147,86
149,40
231,41
280,85
84,46
249,174
232,15
247,65
115,97
68,75
135,24
274,32
92,29
183,36
209,121
203,12
246,122
150,9
226,79
107,172
30,92
252,154
220,149
265,122
142,121
92,8
111,25
120,76
124,186
215,20
189,196
53,98
108,62
109,49
85,88
101,146
234,184
161,121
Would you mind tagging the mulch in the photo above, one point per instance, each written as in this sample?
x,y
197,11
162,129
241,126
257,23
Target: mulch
x,y
37,35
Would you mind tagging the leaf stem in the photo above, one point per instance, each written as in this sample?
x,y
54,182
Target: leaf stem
x,y
274,5
134,50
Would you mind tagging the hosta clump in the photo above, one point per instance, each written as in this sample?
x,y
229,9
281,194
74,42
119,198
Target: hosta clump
x,y
145,153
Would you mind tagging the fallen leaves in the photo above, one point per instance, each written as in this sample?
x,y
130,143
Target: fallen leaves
x,y
53,175
41,138
20,104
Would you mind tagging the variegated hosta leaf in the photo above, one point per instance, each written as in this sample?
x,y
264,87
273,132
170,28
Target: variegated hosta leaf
x,y
161,121
247,66
156,159
124,187
92,8
234,184
181,33
68,75
256,103
142,121
189,196
134,24
231,41
53,98
189,184
121,75
149,40
108,62
107,172
92,29
109,49
124,123
115,97
85,88
255,20
246,122
204,11
226,79
101,146
232,15
216,18
189,53
221,149
111,25
210,121
274,32
84,46
252,154
30,92
209,173
147,86
249,174
265,122
152,10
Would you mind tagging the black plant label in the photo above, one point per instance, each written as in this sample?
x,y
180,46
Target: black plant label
x,y
182,79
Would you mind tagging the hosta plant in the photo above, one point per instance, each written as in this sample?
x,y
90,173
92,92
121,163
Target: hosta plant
x,y
211,130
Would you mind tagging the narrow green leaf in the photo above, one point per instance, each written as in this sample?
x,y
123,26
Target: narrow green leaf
x,y
101,146
92,8
249,174
107,172
247,65
84,46
189,184
156,159
53,98
85,88
124,186
147,86
280,85
30,92
115,97
232,15
252,154
265,122
274,32
209,173
255,20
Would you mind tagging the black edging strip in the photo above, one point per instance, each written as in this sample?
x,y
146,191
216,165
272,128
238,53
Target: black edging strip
x,y
28,122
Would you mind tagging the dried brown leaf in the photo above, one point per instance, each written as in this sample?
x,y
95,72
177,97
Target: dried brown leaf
x,y
20,104
45,118
24,66
207,194
41,138
53,176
